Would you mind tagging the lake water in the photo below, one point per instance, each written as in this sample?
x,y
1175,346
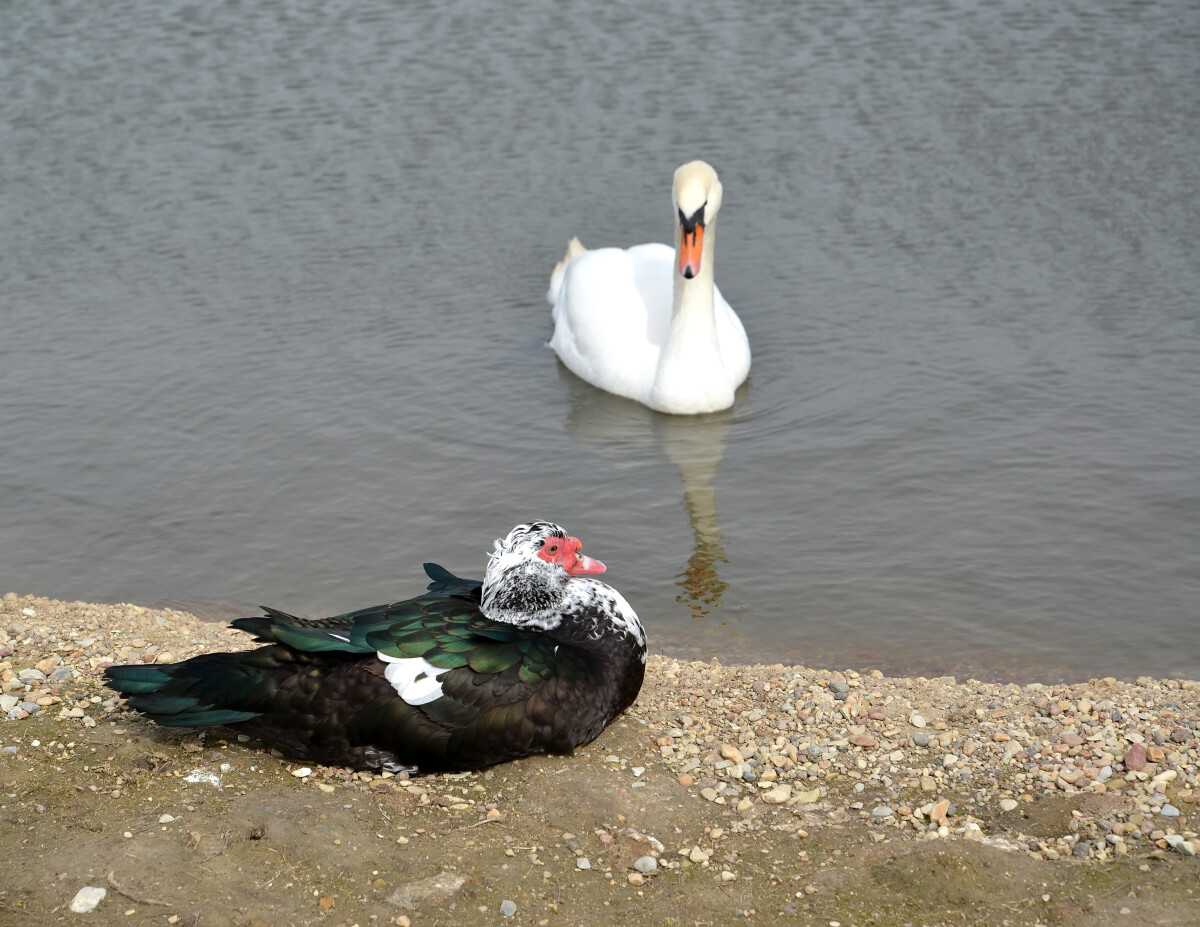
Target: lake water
x,y
272,286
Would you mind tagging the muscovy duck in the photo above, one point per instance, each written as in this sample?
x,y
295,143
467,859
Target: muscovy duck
x,y
649,323
538,658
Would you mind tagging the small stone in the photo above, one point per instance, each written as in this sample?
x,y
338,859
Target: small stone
x,y
1170,811
636,878
87,898
928,784
882,811
685,780
777,795
166,819
921,739
1186,847
807,797
1135,757
1081,850
709,793
938,811
302,772
733,754
863,740
646,865
917,721
46,666
583,863
1007,804
727,876
744,804
508,907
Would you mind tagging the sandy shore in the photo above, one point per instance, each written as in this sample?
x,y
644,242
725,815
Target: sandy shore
x,y
781,794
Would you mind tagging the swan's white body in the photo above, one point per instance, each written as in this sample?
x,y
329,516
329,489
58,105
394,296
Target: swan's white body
x,y
631,322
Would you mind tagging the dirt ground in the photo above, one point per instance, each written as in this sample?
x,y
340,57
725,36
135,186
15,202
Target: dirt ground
x,y
207,829
263,847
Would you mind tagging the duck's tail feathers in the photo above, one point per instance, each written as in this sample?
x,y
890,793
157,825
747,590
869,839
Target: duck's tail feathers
x,y
574,249
188,694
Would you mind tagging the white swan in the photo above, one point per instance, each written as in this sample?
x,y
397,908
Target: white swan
x,y
648,323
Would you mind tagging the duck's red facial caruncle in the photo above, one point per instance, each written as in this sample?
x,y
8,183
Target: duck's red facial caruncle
x,y
565,552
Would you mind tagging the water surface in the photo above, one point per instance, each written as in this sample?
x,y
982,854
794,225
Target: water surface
x,y
273,324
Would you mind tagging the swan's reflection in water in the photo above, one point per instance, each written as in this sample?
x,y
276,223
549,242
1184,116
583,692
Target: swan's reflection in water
x,y
695,444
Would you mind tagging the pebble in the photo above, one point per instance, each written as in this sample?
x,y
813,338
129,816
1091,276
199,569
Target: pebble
x,y
1170,811
1007,804
1185,847
882,811
777,795
917,720
508,908
87,898
302,773
1135,757
583,863
646,865
921,739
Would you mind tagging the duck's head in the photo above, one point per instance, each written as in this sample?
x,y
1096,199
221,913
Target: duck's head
x,y
697,198
528,572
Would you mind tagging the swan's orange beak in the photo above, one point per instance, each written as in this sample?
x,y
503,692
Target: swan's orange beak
x,y
691,245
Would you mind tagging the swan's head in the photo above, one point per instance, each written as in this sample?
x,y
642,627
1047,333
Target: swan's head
x,y
697,196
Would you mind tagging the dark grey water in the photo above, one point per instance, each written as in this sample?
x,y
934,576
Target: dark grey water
x,y
273,325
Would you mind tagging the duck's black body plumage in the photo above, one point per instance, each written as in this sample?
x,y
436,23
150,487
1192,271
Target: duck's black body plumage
x,y
427,684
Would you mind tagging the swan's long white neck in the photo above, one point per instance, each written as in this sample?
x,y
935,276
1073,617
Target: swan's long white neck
x,y
692,350
693,310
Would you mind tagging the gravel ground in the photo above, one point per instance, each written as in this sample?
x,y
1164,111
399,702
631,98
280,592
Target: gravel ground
x,y
823,764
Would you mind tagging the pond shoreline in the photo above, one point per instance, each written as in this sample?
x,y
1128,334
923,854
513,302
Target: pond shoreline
x,y
749,788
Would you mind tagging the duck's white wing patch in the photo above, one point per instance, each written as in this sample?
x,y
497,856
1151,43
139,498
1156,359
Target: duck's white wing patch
x,y
415,679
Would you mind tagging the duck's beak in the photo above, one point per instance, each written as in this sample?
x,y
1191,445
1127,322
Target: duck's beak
x,y
581,563
691,245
